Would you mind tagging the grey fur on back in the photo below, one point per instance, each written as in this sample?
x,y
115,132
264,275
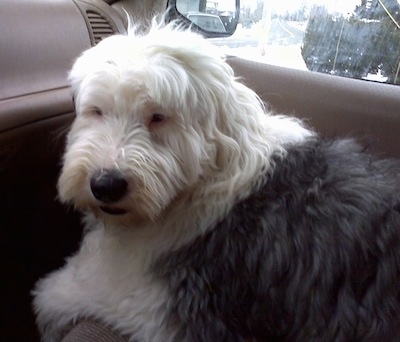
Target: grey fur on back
x,y
311,255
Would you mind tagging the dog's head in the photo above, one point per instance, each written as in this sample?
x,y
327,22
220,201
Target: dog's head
x,y
157,115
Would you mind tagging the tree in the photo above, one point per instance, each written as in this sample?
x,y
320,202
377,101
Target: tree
x,y
367,42
256,16
375,9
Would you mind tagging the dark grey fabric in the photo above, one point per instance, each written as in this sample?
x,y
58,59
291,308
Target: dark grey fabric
x,y
86,331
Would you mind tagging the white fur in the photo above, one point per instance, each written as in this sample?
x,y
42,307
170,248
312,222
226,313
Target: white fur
x,y
183,173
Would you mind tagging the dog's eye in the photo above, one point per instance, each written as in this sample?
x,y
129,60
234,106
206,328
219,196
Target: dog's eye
x,y
97,111
157,118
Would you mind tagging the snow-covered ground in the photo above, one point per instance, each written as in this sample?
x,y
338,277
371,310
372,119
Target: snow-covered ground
x,y
280,55
286,55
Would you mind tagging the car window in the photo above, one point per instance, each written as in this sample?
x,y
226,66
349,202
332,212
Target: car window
x,y
352,38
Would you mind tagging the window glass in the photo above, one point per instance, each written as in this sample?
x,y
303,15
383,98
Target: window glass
x,y
351,38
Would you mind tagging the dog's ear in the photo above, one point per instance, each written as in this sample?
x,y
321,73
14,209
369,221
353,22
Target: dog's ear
x,y
92,60
78,72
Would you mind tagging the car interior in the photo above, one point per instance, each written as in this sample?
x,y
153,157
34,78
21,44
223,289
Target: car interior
x,y
39,41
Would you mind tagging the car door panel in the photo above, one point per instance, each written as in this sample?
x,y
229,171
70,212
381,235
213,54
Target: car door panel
x,y
333,105
39,41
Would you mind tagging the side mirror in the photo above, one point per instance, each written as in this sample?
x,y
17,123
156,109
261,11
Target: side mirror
x,y
217,18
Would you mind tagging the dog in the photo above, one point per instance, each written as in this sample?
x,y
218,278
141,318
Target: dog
x,y
208,218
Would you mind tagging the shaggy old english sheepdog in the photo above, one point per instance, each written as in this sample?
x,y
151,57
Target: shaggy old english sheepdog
x,y
208,218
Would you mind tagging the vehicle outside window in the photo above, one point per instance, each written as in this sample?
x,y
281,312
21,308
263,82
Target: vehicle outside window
x,y
352,38
215,18
209,22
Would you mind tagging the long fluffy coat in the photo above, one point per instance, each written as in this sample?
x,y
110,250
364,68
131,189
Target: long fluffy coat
x,y
234,223
312,255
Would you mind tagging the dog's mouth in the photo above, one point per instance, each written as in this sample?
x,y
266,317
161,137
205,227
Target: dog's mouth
x,y
113,210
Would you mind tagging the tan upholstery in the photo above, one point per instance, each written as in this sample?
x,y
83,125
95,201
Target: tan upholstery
x,y
333,105
86,331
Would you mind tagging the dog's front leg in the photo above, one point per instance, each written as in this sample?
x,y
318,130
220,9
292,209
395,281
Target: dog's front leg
x,y
56,304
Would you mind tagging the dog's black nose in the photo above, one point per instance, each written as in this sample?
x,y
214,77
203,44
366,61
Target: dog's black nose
x,y
108,186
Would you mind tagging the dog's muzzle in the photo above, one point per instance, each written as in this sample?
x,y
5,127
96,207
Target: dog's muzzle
x,y
109,186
